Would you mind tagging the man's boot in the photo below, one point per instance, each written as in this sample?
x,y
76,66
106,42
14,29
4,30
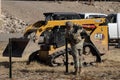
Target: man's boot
x,y
77,71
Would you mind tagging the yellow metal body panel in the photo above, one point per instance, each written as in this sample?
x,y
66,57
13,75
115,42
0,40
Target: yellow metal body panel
x,y
51,24
44,54
99,36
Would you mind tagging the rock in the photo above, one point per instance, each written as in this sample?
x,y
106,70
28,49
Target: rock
x,y
1,31
111,10
12,24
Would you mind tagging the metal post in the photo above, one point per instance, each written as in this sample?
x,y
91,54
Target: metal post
x,y
66,48
118,33
0,7
118,41
10,58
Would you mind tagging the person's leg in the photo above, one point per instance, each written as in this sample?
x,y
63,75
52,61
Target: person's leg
x,y
76,59
80,60
80,55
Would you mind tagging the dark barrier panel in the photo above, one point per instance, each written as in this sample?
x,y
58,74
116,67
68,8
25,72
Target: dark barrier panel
x,y
18,45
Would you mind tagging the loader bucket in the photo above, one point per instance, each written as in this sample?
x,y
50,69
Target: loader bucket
x,y
17,47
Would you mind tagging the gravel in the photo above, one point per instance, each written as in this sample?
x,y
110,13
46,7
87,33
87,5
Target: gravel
x,y
18,14
32,11
12,24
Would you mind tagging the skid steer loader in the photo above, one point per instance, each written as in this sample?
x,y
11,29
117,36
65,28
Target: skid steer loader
x,y
49,36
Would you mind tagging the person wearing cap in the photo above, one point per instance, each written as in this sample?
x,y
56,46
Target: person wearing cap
x,y
73,35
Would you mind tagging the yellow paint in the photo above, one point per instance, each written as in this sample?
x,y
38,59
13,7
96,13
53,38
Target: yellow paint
x,y
101,44
99,29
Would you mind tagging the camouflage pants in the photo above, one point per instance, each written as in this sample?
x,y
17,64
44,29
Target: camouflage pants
x,y
77,54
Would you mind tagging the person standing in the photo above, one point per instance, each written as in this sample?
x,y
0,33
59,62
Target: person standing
x,y
73,35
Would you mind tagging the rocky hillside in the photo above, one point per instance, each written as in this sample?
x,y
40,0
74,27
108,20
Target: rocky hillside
x,y
11,24
17,14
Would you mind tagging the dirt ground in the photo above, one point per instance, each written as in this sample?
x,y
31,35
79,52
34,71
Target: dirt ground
x,y
107,70
30,12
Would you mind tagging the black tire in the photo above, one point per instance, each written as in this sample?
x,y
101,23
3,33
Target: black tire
x,y
93,51
52,59
33,57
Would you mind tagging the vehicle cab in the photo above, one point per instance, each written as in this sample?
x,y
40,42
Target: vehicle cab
x,y
61,16
114,27
92,15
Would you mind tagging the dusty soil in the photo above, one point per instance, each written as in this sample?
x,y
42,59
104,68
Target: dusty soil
x,y
107,70
19,14
30,12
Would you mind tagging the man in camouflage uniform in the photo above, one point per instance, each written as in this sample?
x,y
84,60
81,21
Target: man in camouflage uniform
x,y
73,35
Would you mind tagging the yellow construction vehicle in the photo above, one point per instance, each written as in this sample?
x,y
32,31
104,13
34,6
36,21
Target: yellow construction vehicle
x,y
49,35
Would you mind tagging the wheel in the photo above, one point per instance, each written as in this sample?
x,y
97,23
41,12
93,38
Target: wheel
x,y
57,59
88,57
90,54
33,57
